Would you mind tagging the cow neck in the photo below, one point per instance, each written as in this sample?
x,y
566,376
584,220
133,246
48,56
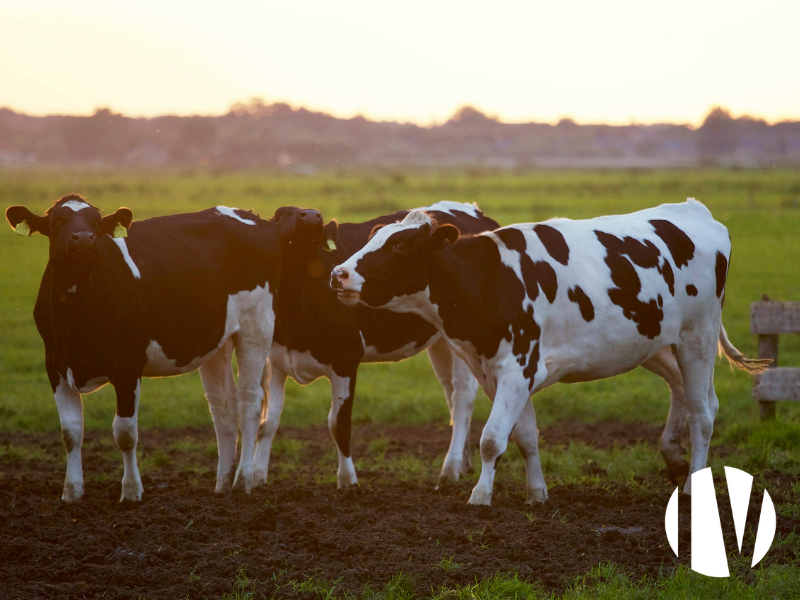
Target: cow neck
x,y
100,293
454,284
301,297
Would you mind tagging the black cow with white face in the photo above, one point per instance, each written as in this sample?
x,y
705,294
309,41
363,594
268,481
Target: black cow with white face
x,y
317,336
533,304
120,301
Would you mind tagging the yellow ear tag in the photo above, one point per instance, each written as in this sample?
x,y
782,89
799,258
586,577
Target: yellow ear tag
x,y
331,246
120,231
23,228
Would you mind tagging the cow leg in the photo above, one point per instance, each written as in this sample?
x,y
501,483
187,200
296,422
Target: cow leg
x,y
696,354
252,360
126,434
460,387
269,425
665,365
342,393
220,388
70,412
526,435
509,402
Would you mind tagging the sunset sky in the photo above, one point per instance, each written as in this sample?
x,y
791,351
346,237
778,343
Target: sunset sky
x,y
416,60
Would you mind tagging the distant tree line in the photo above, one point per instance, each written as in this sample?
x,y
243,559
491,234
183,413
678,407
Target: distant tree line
x,y
255,134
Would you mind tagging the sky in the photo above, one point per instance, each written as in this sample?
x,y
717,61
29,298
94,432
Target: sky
x,y
616,61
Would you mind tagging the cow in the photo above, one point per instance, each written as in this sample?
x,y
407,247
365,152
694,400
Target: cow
x,y
529,305
317,336
120,301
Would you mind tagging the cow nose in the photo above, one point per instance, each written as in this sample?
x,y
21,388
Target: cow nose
x,y
310,217
338,276
83,238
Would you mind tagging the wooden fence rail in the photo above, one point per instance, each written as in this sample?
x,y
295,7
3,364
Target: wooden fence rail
x,y
769,320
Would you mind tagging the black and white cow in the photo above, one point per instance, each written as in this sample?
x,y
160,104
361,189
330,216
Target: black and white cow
x,y
159,297
317,336
530,305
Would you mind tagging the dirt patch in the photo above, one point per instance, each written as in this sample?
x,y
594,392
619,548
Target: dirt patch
x,y
185,540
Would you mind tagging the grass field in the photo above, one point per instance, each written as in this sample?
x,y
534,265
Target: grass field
x,y
760,208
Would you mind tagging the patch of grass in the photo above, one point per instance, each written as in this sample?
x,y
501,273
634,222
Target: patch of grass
x,y
378,447
189,445
316,587
448,564
607,582
243,588
12,452
289,449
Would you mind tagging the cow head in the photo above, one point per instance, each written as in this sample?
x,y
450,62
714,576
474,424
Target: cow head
x,y
302,235
394,262
73,225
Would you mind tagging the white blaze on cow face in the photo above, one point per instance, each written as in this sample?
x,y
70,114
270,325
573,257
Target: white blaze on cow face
x,y
231,212
75,205
346,278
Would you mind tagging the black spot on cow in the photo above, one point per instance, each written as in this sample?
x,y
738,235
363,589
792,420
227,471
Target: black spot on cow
x,y
579,297
535,274
621,255
660,301
343,421
513,238
554,242
721,270
680,245
691,290
668,275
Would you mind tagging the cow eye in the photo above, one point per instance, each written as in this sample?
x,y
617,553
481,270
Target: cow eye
x,y
400,247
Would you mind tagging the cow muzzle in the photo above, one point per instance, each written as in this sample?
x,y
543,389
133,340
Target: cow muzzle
x,y
342,282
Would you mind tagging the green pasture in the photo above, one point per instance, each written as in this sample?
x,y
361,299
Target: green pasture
x,y
760,208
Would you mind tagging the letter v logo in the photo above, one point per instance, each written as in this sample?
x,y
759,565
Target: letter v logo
x,y
708,546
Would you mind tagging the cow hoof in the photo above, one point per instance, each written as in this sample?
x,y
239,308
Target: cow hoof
x,y
344,482
259,478
223,487
445,482
480,498
243,481
678,473
73,492
131,492
450,473
536,495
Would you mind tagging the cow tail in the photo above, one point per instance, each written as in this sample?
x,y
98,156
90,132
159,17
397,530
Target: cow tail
x,y
737,359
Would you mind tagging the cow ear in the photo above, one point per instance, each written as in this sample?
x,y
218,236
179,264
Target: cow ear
x,y
331,231
122,217
24,222
442,236
375,230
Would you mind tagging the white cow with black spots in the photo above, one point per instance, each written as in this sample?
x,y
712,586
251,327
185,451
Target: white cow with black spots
x,y
530,305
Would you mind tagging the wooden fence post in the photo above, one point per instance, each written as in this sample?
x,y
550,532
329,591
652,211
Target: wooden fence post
x,y
768,348
768,320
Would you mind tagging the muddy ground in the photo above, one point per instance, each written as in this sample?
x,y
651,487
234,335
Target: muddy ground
x,y
183,540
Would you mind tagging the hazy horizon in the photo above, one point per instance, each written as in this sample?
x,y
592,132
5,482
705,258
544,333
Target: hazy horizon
x,y
618,63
